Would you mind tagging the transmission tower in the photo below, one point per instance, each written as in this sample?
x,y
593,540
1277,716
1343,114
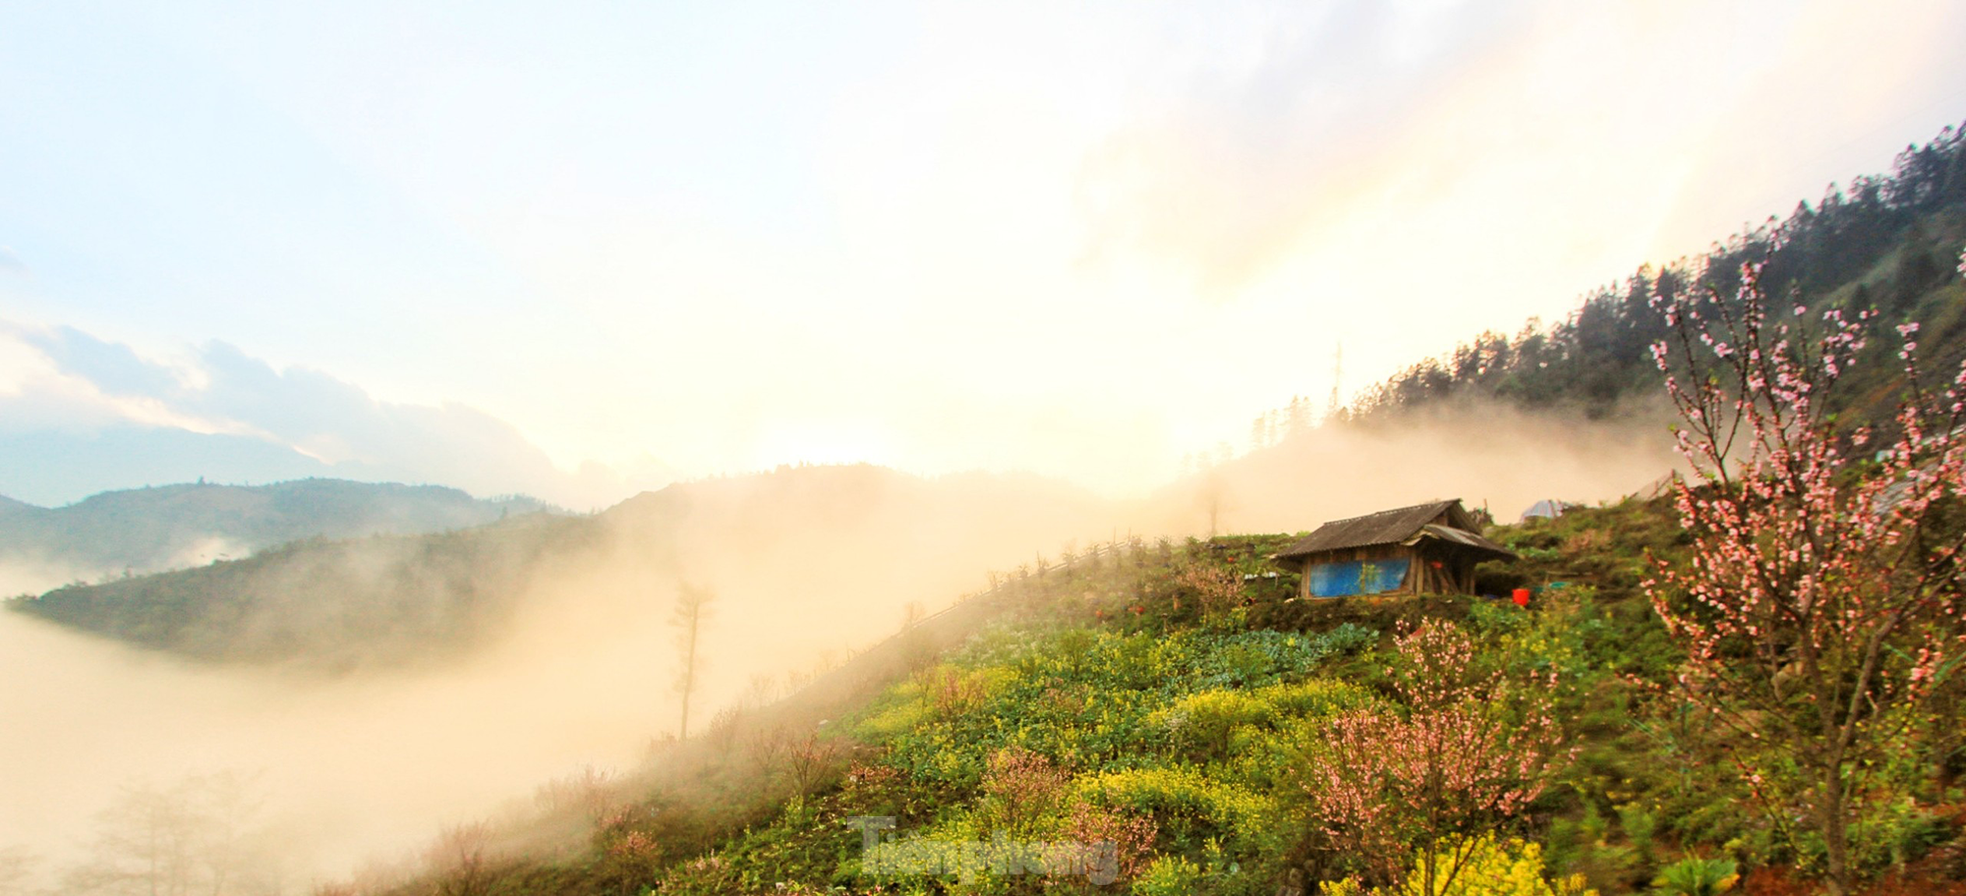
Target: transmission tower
x,y
1337,376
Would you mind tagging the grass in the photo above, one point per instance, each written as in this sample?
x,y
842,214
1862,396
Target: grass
x,y
1107,702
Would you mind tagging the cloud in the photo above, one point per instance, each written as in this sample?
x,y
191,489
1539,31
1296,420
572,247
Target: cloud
x,y
1231,175
114,368
89,414
10,262
1553,138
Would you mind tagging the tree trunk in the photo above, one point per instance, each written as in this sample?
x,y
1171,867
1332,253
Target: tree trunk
x,y
691,605
689,672
1836,832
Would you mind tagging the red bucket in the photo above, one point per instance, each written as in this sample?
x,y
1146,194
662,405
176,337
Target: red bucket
x,y
1522,597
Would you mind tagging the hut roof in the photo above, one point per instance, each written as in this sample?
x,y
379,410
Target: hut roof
x,y
1401,525
1385,527
1467,539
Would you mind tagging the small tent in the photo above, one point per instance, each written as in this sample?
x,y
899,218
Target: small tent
x,y
1548,508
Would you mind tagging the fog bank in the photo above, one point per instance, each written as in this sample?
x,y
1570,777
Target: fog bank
x,y
804,564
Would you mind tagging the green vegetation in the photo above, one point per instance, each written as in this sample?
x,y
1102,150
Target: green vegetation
x,y
1165,720
1888,242
1114,703
1697,877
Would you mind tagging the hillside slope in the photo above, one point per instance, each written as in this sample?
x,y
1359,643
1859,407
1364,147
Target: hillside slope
x,y
817,556
1160,698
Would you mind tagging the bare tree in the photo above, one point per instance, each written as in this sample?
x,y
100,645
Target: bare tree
x,y
589,792
763,690
228,806
195,837
143,845
374,875
692,608
807,758
1214,499
766,747
460,857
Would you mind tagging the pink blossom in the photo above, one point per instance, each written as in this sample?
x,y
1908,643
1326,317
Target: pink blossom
x,y
1808,611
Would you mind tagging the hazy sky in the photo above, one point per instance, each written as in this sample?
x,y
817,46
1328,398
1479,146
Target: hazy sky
x,y
675,239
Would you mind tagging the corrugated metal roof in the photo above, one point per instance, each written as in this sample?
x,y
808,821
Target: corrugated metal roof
x,y
1464,538
1385,527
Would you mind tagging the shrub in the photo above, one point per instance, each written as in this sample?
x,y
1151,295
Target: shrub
x,y
1315,698
1697,877
1202,724
1168,876
1020,789
1491,868
1507,868
1456,764
1188,805
1131,835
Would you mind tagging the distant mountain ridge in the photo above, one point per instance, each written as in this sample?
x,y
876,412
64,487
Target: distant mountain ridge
x,y
174,526
811,549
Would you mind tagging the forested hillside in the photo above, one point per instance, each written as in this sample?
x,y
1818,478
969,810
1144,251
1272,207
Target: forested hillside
x,y
1889,242
826,542
152,529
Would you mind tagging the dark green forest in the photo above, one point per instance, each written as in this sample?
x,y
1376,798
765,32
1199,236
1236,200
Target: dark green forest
x,y
1890,242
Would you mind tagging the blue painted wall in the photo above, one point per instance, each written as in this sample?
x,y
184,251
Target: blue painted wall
x,y
1356,577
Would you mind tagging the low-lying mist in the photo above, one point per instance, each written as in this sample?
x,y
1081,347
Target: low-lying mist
x,y
33,575
1486,454
804,564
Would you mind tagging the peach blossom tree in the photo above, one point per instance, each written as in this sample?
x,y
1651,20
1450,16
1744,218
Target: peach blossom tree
x,y
1465,752
1821,600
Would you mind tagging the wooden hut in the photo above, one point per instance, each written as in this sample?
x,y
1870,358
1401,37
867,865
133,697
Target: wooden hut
x,y
1424,549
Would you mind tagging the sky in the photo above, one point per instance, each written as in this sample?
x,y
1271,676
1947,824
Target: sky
x,y
579,249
